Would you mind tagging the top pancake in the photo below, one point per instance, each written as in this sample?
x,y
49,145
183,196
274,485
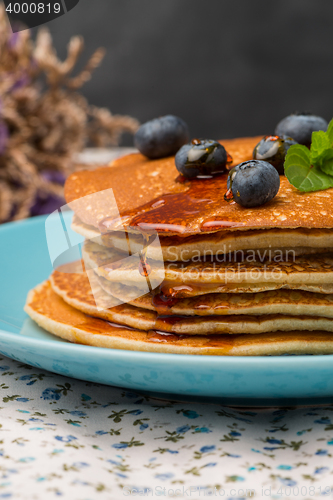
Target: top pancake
x,y
191,207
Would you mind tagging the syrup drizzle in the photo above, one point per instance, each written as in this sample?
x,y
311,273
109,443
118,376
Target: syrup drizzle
x,y
162,303
144,267
165,323
108,225
229,159
224,343
172,291
167,294
156,336
228,195
172,213
128,243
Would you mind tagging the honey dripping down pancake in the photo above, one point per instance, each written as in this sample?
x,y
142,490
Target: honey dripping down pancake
x,y
113,265
56,316
76,289
154,198
269,242
281,301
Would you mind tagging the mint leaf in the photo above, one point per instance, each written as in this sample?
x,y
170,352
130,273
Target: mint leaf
x,y
320,143
301,174
321,152
312,170
329,132
327,162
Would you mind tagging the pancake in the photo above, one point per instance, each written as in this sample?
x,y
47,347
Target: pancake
x,y
149,229
88,232
145,180
272,242
53,314
75,290
128,292
153,198
114,265
290,302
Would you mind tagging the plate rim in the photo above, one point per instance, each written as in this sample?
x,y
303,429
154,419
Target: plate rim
x,y
278,361
270,361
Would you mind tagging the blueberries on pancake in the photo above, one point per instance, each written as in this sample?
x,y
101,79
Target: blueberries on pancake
x,y
161,137
273,148
202,157
300,126
253,183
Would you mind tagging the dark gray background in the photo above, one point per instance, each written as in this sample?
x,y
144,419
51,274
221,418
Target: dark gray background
x,y
227,67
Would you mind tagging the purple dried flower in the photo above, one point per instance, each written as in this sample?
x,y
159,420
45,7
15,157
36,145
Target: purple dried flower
x,y
17,26
46,205
33,63
22,81
3,137
13,39
54,176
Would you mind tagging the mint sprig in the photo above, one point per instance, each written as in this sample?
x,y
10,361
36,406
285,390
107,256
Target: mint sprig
x,y
320,144
311,170
329,132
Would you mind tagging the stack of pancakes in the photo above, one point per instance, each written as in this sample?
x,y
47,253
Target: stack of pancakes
x,y
170,266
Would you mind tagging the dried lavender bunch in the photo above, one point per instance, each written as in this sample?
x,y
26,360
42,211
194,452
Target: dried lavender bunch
x,y
44,120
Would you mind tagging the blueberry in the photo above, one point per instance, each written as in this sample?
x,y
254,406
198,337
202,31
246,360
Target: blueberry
x,y
273,148
161,137
253,183
300,126
200,158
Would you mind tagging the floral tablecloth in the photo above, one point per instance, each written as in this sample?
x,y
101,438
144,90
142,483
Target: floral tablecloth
x,y
61,437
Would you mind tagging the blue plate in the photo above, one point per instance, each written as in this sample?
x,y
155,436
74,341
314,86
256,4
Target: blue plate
x,y
241,381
